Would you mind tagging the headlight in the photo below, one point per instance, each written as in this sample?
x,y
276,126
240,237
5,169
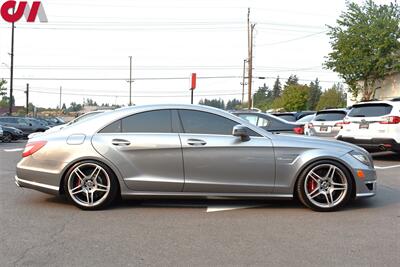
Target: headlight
x,y
361,157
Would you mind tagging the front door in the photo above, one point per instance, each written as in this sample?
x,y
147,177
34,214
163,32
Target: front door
x,y
217,162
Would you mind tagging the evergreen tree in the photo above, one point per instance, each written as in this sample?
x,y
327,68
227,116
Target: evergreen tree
x,y
314,95
292,80
277,89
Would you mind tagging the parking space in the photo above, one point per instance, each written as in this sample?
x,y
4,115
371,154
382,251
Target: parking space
x,y
38,229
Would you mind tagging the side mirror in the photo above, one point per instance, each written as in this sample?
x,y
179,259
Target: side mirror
x,y
241,131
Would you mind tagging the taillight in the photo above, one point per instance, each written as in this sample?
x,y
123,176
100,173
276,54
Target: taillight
x,y
390,120
33,147
299,130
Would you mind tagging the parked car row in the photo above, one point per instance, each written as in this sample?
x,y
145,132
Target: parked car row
x,y
373,125
15,128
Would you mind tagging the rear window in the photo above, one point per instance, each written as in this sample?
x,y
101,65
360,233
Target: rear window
x,y
370,110
287,117
330,116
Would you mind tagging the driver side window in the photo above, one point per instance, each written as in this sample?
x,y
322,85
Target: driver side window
x,y
199,122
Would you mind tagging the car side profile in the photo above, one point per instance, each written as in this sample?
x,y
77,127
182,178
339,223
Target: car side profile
x,y
191,151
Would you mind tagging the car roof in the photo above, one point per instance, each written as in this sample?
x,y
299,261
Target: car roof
x,y
388,102
100,121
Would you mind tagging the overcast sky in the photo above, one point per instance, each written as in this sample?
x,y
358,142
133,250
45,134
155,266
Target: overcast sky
x,y
167,39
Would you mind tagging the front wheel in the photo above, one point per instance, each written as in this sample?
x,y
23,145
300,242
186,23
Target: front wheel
x,y
7,137
91,185
325,186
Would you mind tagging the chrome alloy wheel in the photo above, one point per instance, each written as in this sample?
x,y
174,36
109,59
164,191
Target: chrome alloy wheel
x,y
325,186
88,184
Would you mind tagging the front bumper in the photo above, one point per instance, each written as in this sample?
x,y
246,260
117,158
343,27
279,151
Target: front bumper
x,y
373,144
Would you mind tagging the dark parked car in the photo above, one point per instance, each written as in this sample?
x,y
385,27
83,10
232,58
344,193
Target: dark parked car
x,y
270,122
25,125
293,116
11,134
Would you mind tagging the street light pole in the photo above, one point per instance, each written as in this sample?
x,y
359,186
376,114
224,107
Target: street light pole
x,y
11,70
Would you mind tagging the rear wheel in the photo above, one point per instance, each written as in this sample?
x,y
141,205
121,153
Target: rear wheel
x,y
325,186
91,185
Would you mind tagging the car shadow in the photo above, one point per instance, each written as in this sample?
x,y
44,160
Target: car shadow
x,y
386,196
386,156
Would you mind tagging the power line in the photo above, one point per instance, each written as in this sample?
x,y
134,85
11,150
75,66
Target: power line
x,y
292,40
127,96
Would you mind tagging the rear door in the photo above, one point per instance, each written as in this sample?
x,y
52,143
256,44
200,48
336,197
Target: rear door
x,y
145,150
217,162
364,120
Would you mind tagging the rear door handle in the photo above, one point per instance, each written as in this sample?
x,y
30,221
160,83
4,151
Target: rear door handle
x,y
196,142
120,142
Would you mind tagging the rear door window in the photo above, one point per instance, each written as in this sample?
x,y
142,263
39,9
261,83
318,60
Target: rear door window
x,y
370,110
330,116
158,121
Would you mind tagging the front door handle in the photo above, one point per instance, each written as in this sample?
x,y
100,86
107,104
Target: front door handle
x,y
120,142
196,142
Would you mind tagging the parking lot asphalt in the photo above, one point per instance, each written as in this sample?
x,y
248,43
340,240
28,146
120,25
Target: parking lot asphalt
x,y
42,230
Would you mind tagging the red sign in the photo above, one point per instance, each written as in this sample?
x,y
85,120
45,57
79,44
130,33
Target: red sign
x,y
10,12
193,81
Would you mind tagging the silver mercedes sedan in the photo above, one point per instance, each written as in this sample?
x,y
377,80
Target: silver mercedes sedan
x,y
187,151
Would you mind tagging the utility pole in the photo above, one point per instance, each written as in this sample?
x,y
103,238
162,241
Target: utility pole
x,y
60,96
250,30
27,99
11,70
130,80
243,83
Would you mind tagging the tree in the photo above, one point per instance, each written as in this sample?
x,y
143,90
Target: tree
x,y
277,89
262,95
332,98
64,107
294,97
74,107
315,94
233,104
3,89
216,103
365,46
292,80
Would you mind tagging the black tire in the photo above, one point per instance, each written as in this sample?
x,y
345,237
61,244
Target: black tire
x,y
107,177
7,137
323,190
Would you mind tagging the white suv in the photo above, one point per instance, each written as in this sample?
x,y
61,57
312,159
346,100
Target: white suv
x,y
373,125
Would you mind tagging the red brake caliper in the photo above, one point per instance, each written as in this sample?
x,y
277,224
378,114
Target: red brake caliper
x,y
311,185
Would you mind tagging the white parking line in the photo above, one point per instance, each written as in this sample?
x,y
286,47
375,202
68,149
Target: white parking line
x,y
13,150
387,167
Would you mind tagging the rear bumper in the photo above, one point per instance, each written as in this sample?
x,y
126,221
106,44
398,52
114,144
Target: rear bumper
x,y
45,188
373,144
